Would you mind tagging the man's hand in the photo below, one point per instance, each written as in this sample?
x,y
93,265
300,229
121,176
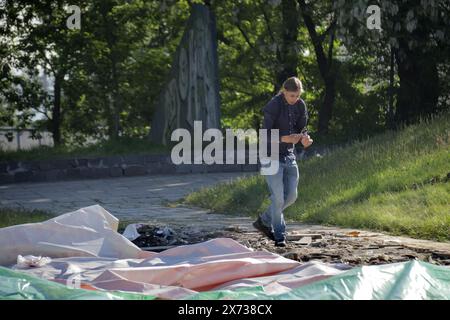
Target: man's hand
x,y
293,138
296,137
306,140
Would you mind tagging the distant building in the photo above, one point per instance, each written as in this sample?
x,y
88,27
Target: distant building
x,y
22,139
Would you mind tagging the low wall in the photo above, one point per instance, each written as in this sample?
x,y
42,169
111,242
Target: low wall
x,y
103,167
116,166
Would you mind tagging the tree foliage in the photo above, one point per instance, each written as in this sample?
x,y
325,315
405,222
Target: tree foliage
x,y
101,81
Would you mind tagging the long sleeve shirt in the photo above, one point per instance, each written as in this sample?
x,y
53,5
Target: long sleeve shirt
x,y
289,119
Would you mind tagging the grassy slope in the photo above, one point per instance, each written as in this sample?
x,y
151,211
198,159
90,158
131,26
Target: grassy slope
x,y
395,182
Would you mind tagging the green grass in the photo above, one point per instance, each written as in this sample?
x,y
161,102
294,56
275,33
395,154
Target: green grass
x,y
395,182
105,148
14,216
10,217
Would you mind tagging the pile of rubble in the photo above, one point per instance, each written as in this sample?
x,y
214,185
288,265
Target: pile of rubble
x,y
353,248
161,237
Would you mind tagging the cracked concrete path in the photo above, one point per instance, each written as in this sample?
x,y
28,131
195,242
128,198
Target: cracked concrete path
x,y
140,198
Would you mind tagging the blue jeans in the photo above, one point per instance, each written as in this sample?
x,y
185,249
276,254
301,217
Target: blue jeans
x,y
283,193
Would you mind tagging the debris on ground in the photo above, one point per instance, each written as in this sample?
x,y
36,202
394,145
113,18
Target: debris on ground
x,y
161,236
352,248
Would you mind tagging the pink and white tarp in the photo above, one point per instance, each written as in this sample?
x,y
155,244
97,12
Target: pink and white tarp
x,y
85,247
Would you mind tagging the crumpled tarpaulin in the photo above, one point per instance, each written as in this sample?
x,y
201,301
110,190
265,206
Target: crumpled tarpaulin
x,y
411,280
87,232
16,285
85,248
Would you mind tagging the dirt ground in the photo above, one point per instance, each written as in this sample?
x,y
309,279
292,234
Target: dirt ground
x,y
330,245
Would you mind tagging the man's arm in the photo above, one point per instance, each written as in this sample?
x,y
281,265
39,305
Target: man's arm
x,y
270,116
301,125
293,138
270,113
302,120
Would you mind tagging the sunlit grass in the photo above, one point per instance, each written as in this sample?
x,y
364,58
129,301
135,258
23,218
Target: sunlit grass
x,y
395,182
10,216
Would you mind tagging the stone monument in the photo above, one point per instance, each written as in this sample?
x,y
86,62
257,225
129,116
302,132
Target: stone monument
x,y
191,92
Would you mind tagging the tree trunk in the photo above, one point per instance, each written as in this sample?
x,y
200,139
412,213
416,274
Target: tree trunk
x,y
417,69
113,130
288,55
419,86
112,84
325,65
115,103
326,108
390,111
56,112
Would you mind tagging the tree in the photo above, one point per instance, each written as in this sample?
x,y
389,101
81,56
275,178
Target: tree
x,y
103,77
324,60
418,35
287,53
126,59
38,41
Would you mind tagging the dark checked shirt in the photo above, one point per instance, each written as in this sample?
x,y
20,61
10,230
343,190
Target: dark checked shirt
x,y
278,114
